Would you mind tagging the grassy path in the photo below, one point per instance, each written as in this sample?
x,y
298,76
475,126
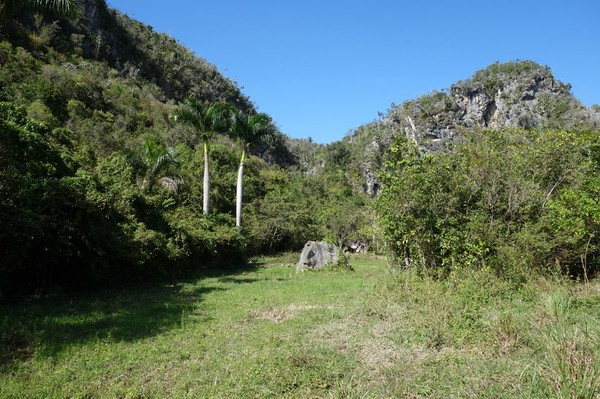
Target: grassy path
x,y
268,332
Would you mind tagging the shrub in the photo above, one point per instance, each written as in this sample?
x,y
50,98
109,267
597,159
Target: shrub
x,y
512,201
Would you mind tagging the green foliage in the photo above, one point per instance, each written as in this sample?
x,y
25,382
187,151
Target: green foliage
x,y
511,69
49,224
206,119
103,183
92,188
52,7
342,265
154,160
252,129
287,216
510,201
159,59
65,225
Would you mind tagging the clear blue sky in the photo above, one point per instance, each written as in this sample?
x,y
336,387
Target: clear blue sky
x,y
322,67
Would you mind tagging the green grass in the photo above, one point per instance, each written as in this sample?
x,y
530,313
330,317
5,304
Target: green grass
x,y
269,332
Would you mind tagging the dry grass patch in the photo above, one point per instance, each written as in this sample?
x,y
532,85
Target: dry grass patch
x,y
279,315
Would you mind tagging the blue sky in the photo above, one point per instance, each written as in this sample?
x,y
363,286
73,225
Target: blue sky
x,y
320,68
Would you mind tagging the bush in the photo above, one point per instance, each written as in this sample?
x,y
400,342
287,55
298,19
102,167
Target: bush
x,y
512,201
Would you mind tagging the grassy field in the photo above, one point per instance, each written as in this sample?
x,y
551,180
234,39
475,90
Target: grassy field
x,y
268,332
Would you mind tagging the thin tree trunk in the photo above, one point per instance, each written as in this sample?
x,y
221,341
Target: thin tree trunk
x,y
238,194
206,186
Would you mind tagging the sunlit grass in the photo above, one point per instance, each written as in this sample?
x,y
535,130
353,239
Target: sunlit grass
x,y
269,332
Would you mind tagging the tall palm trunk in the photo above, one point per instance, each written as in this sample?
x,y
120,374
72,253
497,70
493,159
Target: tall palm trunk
x,y
249,130
206,185
238,196
208,121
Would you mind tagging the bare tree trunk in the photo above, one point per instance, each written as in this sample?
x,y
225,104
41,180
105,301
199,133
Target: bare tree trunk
x,y
238,194
206,186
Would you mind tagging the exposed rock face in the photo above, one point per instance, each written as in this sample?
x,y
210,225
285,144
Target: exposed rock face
x,y
476,108
372,159
516,94
521,95
317,255
527,99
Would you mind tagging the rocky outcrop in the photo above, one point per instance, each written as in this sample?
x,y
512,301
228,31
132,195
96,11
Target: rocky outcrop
x,y
526,98
372,159
515,94
519,94
317,255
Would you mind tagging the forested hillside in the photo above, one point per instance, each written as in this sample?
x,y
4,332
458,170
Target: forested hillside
x,y
151,219
122,157
100,182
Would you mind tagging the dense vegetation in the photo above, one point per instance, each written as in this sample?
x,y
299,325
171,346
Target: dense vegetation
x,y
121,153
521,94
101,182
511,201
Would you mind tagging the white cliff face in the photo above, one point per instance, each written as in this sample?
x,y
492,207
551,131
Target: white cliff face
x,y
474,106
523,101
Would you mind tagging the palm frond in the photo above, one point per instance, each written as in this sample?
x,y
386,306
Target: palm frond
x,y
66,8
162,162
219,117
135,161
207,120
197,115
253,129
154,160
190,117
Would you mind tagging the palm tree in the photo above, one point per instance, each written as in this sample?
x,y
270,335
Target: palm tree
x,y
54,7
249,130
207,120
154,160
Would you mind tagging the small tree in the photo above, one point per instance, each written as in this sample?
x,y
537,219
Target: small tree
x,y
153,161
249,130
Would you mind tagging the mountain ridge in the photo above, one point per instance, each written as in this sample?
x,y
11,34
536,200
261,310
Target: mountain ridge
x,y
519,94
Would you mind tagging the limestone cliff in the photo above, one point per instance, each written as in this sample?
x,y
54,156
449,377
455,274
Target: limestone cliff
x,y
516,94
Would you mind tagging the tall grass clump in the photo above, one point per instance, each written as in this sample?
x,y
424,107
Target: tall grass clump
x,y
569,363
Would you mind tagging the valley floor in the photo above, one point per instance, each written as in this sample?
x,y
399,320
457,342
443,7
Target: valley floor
x,y
269,332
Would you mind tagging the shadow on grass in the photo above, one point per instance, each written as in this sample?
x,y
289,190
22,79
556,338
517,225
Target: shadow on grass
x,y
238,280
47,326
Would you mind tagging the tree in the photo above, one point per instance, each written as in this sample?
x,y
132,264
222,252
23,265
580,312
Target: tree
x,y
154,160
249,130
207,120
54,7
